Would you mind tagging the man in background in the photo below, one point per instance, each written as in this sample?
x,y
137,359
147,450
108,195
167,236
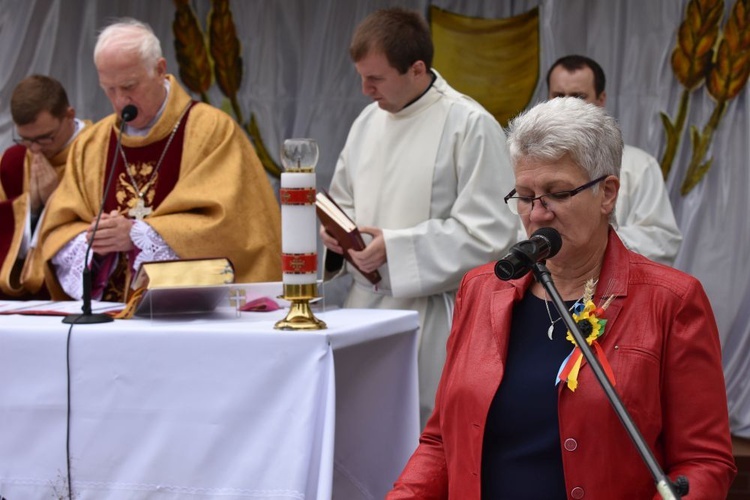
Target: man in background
x,y
45,127
645,221
422,172
187,182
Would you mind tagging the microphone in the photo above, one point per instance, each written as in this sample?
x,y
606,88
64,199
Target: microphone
x,y
128,113
543,244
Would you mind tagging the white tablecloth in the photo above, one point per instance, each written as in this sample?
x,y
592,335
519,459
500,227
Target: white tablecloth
x,y
208,407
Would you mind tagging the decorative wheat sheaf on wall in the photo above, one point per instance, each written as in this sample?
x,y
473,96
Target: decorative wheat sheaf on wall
x,y
722,63
201,58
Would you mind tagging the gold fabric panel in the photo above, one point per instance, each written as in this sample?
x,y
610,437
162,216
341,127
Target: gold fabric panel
x,y
494,61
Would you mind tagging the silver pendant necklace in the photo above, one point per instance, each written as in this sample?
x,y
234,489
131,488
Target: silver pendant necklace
x,y
141,210
552,322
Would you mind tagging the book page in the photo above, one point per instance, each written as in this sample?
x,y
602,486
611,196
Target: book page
x,y
334,212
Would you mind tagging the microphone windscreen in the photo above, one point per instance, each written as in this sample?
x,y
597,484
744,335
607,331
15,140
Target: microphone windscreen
x,y
553,237
129,113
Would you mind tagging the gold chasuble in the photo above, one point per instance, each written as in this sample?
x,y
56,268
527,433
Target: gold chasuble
x,y
195,179
21,277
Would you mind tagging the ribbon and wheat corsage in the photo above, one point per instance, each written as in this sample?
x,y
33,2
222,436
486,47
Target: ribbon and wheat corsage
x,y
592,327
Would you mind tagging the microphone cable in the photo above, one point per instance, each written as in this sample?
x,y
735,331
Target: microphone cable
x,y
128,114
67,415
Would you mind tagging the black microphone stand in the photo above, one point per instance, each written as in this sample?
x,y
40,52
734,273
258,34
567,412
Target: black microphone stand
x,y
87,317
667,489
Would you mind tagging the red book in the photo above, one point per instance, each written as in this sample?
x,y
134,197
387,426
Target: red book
x,y
341,227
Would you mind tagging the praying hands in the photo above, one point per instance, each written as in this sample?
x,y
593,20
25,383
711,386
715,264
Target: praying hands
x,y
43,182
112,235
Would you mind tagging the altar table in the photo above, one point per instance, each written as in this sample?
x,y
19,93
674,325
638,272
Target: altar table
x,y
208,407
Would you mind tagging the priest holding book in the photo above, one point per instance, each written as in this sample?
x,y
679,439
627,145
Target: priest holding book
x,y
421,174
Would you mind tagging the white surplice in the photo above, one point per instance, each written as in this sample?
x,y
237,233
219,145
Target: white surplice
x,y
433,177
645,221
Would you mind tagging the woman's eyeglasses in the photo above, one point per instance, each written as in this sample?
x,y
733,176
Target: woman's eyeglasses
x,y
522,205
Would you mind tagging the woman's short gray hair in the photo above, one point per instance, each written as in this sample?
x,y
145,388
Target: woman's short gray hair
x,y
131,35
568,125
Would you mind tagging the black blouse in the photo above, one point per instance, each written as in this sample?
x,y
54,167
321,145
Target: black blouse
x,y
521,456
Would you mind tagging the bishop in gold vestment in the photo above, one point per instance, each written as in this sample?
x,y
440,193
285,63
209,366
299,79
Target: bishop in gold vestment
x,y
210,196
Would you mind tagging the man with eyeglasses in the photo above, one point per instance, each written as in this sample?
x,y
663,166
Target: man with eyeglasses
x,y
645,221
45,127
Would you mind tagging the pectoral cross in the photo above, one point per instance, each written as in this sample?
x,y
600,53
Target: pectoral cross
x,y
140,210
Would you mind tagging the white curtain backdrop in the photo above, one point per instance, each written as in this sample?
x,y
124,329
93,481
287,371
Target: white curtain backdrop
x,y
299,82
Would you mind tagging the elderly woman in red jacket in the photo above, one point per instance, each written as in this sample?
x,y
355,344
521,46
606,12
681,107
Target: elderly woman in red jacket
x,y
517,416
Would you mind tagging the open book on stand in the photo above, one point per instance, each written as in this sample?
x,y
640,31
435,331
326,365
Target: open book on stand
x,y
180,286
341,227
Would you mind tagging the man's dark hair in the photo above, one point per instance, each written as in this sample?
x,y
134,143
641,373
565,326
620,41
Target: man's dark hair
x,y
576,62
35,94
402,35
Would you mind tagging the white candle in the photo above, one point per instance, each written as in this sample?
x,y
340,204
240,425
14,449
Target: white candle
x,y
298,228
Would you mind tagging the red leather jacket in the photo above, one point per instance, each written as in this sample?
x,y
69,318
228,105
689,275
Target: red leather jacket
x,y
663,345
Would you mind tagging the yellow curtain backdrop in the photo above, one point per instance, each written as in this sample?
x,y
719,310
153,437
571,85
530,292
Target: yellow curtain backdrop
x,y
495,61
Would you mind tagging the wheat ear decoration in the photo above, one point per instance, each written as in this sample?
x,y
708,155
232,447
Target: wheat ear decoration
x,y
225,50
690,60
729,73
588,290
727,77
695,41
190,49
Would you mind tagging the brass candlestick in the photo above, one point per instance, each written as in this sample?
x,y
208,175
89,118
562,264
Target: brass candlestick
x,y
300,316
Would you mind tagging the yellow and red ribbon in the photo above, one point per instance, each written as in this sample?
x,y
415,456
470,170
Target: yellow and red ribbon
x,y
587,317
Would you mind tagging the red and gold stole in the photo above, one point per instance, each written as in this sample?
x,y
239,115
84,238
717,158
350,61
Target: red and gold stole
x,y
12,170
123,196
